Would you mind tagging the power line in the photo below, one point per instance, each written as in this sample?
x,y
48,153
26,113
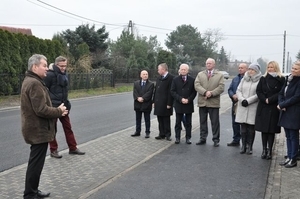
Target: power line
x,y
76,15
274,35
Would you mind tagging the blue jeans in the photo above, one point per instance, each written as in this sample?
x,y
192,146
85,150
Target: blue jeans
x,y
292,142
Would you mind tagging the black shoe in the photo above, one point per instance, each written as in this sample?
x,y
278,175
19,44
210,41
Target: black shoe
x,y
135,134
233,143
147,135
177,141
76,152
201,142
264,154
188,141
168,138
269,155
43,194
216,143
283,163
159,137
55,154
291,164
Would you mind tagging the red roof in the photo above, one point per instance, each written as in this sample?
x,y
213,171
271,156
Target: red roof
x,y
24,31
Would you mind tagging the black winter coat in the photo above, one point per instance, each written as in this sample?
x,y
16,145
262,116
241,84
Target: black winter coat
x,y
267,115
181,89
290,100
57,83
146,93
162,96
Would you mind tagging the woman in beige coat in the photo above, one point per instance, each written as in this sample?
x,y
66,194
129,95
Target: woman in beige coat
x,y
247,105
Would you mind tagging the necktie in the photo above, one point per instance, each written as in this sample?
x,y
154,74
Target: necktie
x,y
209,74
143,83
183,78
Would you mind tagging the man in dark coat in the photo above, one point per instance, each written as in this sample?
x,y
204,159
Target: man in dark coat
x,y
183,92
38,122
57,83
163,102
236,127
142,95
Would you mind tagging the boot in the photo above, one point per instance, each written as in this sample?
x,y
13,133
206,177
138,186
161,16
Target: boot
x,y
243,137
250,142
264,153
269,154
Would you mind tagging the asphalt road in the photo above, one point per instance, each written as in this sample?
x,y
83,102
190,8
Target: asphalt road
x,y
90,118
195,172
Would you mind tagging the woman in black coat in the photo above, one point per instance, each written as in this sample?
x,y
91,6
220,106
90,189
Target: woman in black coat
x,y
289,104
267,114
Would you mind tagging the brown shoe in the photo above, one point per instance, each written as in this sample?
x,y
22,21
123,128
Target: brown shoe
x,y
55,154
76,152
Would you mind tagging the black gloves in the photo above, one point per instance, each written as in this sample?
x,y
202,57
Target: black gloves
x,y
244,103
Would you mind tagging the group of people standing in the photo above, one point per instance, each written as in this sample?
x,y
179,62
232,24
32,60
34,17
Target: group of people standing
x,y
44,100
265,103
260,102
179,92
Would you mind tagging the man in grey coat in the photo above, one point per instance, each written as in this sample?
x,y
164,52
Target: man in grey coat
x,y
209,84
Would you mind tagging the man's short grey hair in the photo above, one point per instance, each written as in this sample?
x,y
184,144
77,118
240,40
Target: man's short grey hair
x,y
60,59
35,60
164,66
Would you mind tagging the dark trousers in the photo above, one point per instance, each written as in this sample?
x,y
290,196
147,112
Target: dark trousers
x,y
236,127
34,169
164,126
292,142
187,125
138,121
70,138
215,123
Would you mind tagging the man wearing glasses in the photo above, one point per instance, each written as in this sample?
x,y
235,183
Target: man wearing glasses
x,y
57,83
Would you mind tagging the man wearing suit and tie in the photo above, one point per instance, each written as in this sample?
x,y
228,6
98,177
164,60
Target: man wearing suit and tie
x,y
183,92
142,95
163,102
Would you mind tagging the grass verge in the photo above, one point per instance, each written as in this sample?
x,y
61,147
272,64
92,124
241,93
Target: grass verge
x,y
14,100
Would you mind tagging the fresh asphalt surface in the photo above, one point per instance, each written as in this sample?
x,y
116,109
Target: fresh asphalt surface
x,y
192,171
91,118
181,171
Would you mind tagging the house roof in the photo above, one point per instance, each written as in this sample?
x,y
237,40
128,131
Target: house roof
x,y
24,31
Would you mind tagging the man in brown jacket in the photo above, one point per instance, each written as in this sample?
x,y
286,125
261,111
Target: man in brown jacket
x,y
209,84
38,122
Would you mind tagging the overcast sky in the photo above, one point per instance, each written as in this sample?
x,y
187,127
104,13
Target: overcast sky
x,y
237,19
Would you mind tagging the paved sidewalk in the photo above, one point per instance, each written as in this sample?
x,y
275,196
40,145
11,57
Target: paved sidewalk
x,y
111,156
283,183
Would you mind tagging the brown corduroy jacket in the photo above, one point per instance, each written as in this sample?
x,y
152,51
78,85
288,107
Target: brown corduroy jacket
x,y
37,114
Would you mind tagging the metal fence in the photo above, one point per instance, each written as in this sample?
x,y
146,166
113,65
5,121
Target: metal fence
x,y
96,78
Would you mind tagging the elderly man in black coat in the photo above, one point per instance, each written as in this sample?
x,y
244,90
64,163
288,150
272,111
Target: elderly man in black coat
x,y
163,102
142,95
183,92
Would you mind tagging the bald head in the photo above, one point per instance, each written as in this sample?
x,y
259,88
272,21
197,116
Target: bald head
x,y
144,75
243,67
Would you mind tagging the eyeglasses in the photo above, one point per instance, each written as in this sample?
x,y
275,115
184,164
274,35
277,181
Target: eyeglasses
x,y
62,66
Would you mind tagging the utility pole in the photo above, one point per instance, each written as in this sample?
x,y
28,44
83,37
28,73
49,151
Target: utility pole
x,y
130,27
287,61
284,41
